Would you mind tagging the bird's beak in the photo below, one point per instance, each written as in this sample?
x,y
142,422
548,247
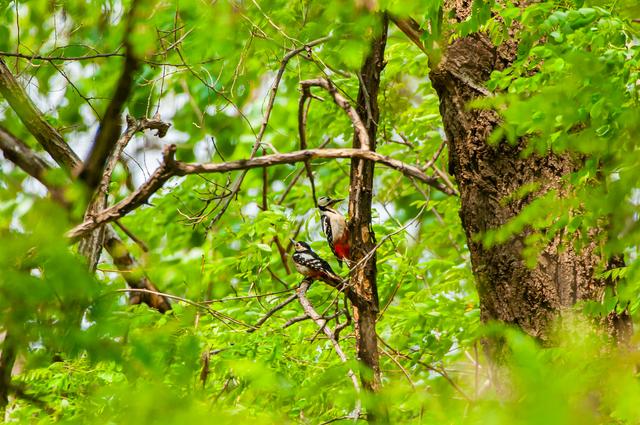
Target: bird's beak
x,y
292,241
335,201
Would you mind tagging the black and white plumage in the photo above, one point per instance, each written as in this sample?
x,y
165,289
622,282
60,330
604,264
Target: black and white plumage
x,y
334,226
309,264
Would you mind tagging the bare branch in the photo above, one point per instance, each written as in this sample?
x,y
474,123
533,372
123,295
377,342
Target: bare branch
x,y
411,29
16,151
91,245
170,167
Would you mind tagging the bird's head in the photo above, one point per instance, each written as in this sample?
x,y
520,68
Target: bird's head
x,y
300,246
325,201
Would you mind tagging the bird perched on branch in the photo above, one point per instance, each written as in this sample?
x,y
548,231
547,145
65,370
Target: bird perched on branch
x,y
309,264
335,228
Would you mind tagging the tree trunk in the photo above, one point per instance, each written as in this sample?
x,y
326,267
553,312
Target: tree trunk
x,y
508,289
362,240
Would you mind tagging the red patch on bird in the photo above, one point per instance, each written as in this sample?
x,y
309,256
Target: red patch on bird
x,y
342,250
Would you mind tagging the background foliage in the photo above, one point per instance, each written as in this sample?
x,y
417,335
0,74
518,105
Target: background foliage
x,y
86,356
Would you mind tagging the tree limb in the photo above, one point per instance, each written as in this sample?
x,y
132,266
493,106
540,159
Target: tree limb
x,y
315,316
32,118
110,127
265,120
170,168
91,245
271,312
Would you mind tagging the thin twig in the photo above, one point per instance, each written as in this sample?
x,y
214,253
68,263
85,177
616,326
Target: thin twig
x,y
216,314
271,312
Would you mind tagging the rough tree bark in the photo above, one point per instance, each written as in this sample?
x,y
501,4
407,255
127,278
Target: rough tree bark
x,y
363,279
509,291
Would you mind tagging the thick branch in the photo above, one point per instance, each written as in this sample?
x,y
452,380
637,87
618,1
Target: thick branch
x,y
411,29
110,128
20,154
362,239
170,168
32,118
91,245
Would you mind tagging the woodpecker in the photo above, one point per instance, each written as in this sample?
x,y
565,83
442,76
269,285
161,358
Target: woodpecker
x,y
335,228
309,264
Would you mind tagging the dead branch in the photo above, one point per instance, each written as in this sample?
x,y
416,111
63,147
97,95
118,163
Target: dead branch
x,y
91,245
21,155
170,168
338,99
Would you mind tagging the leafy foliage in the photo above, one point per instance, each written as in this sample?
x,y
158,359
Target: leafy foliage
x,y
87,356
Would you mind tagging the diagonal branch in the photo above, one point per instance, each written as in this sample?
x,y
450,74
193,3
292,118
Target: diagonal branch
x,y
91,245
411,29
110,127
170,168
322,324
271,312
338,99
21,155
32,118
